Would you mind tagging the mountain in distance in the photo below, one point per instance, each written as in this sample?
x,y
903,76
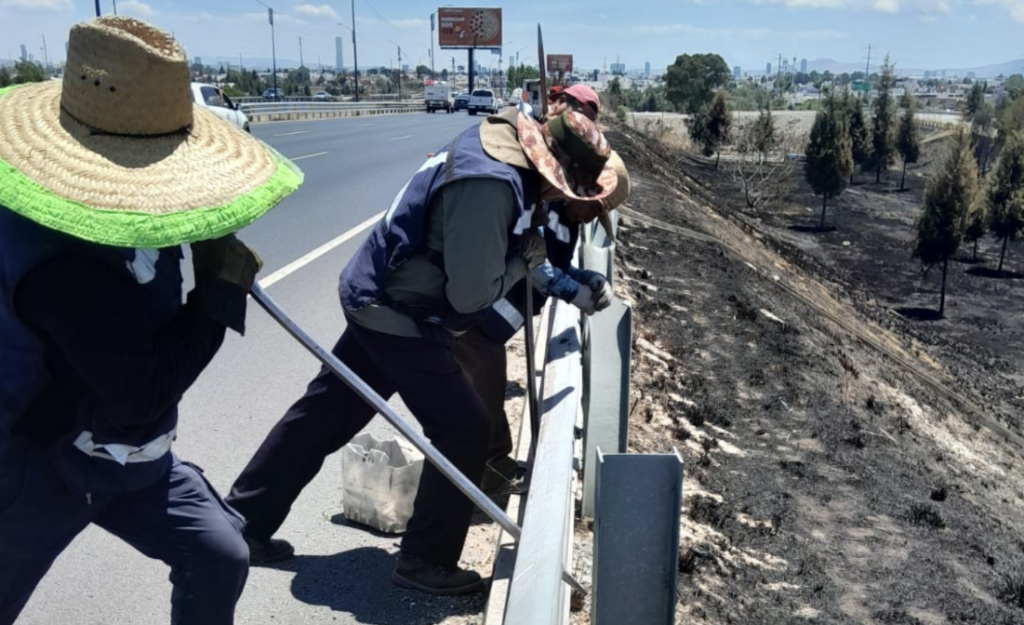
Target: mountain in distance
x,y
986,71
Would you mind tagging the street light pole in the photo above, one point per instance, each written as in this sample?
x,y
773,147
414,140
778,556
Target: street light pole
x,y
355,53
432,77
399,68
97,8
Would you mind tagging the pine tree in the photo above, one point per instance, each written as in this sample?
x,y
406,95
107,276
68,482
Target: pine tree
x,y
883,123
975,100
764,133
908,141
977,227
948,200
718,125
829,158
1006,195
860,137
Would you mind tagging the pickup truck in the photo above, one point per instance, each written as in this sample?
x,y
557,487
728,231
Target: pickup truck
x,y
439,96
218,103
483,101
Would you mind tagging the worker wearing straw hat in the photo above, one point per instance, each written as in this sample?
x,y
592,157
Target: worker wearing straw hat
x,y
454,240
104,176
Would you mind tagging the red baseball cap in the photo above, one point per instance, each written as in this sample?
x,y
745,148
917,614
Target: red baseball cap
x,y
555,92
587,97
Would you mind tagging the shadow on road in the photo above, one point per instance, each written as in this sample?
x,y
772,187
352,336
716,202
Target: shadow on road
x,y
358,582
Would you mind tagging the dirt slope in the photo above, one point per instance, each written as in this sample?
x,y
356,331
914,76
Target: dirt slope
x,y
824,483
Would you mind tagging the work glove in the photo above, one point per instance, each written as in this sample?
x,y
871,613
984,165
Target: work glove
x,y
595,295
533,249
227,259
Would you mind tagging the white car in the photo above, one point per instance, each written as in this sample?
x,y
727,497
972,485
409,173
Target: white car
x,y
220,105
483,101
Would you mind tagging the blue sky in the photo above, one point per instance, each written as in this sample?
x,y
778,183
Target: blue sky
x,y
917,33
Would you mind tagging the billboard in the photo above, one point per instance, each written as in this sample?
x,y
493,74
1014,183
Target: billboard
x,y
469,28
559,63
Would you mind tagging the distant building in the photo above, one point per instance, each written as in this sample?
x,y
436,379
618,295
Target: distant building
x,y
405,69
803,66
24,53
736,72
618,69
768,69
339,54
197,61
647,69
971,75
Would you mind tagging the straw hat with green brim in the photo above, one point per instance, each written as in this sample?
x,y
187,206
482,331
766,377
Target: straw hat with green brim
x,y
119,154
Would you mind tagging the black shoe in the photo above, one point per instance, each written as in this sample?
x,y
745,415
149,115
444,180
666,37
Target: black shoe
x,y
419,574
268,551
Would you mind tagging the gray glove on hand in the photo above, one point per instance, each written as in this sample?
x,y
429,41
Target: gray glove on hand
x,y
226,259
594,296
533,249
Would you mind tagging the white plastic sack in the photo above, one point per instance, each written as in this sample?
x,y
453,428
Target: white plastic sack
x,y
380,479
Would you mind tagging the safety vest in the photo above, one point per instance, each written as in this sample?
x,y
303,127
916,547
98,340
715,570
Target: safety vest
x,y
402,233
93,455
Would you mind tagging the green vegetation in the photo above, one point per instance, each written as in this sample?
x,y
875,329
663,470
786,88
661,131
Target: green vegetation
x,y
27,71
1006,194
883,123
908,139
693,79
948,201
829,156
860,136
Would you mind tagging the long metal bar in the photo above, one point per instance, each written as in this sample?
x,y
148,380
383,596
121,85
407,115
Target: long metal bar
x,y
435,457
531,367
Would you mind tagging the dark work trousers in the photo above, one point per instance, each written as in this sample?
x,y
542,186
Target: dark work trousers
x,y
180,520
423,371
484,362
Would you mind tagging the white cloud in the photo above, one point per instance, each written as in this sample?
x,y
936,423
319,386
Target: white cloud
x,y
1015,7
37,5
886,6
136,8
312,10
743,34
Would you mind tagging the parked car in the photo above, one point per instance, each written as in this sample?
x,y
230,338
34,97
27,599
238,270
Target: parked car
x,y
483,101
217,102
272,94
462,102
438,96
322,96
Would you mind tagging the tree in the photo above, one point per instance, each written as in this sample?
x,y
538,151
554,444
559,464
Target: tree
x,y
693,79
860,136
718,125
1014,86
975,100
948,200
27,71
444,75
1006,194
829,157
421,71
976,227
5,77
883,124
908,140
763,134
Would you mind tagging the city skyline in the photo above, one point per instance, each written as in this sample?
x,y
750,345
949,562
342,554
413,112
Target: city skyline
x,y
916,33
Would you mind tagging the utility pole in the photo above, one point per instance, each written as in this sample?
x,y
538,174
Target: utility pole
x,y
115,7
355,53
432,15
273,51
867,67
301,63
97,8
778,75
46,59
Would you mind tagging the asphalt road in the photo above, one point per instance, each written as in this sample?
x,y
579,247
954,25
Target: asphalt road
x,y
353,168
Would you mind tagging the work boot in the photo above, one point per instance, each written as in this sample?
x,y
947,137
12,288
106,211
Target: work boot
x,y
418,574
268,551
502,476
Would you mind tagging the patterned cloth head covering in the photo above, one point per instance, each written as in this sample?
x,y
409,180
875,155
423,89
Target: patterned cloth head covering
x,y
571,153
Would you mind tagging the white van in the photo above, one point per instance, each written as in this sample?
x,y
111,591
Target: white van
x,y
439,96
220,104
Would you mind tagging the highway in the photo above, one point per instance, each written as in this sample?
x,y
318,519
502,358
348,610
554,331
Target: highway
x,y
341,575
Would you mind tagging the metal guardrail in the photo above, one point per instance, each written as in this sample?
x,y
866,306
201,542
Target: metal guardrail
x,y
290,110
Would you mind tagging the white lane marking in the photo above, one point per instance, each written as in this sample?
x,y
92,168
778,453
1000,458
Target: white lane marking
x,y
400,138
302,261
288,134
299,158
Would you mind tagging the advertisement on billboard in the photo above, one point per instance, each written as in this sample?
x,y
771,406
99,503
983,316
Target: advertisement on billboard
x,y
469,28
559,63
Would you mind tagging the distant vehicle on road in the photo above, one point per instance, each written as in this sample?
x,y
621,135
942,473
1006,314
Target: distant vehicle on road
x,y
218,103
439,96
462,102
483,101
322,96
272,94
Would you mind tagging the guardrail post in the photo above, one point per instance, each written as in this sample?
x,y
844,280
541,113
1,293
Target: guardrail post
x,y
636,538
608,341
